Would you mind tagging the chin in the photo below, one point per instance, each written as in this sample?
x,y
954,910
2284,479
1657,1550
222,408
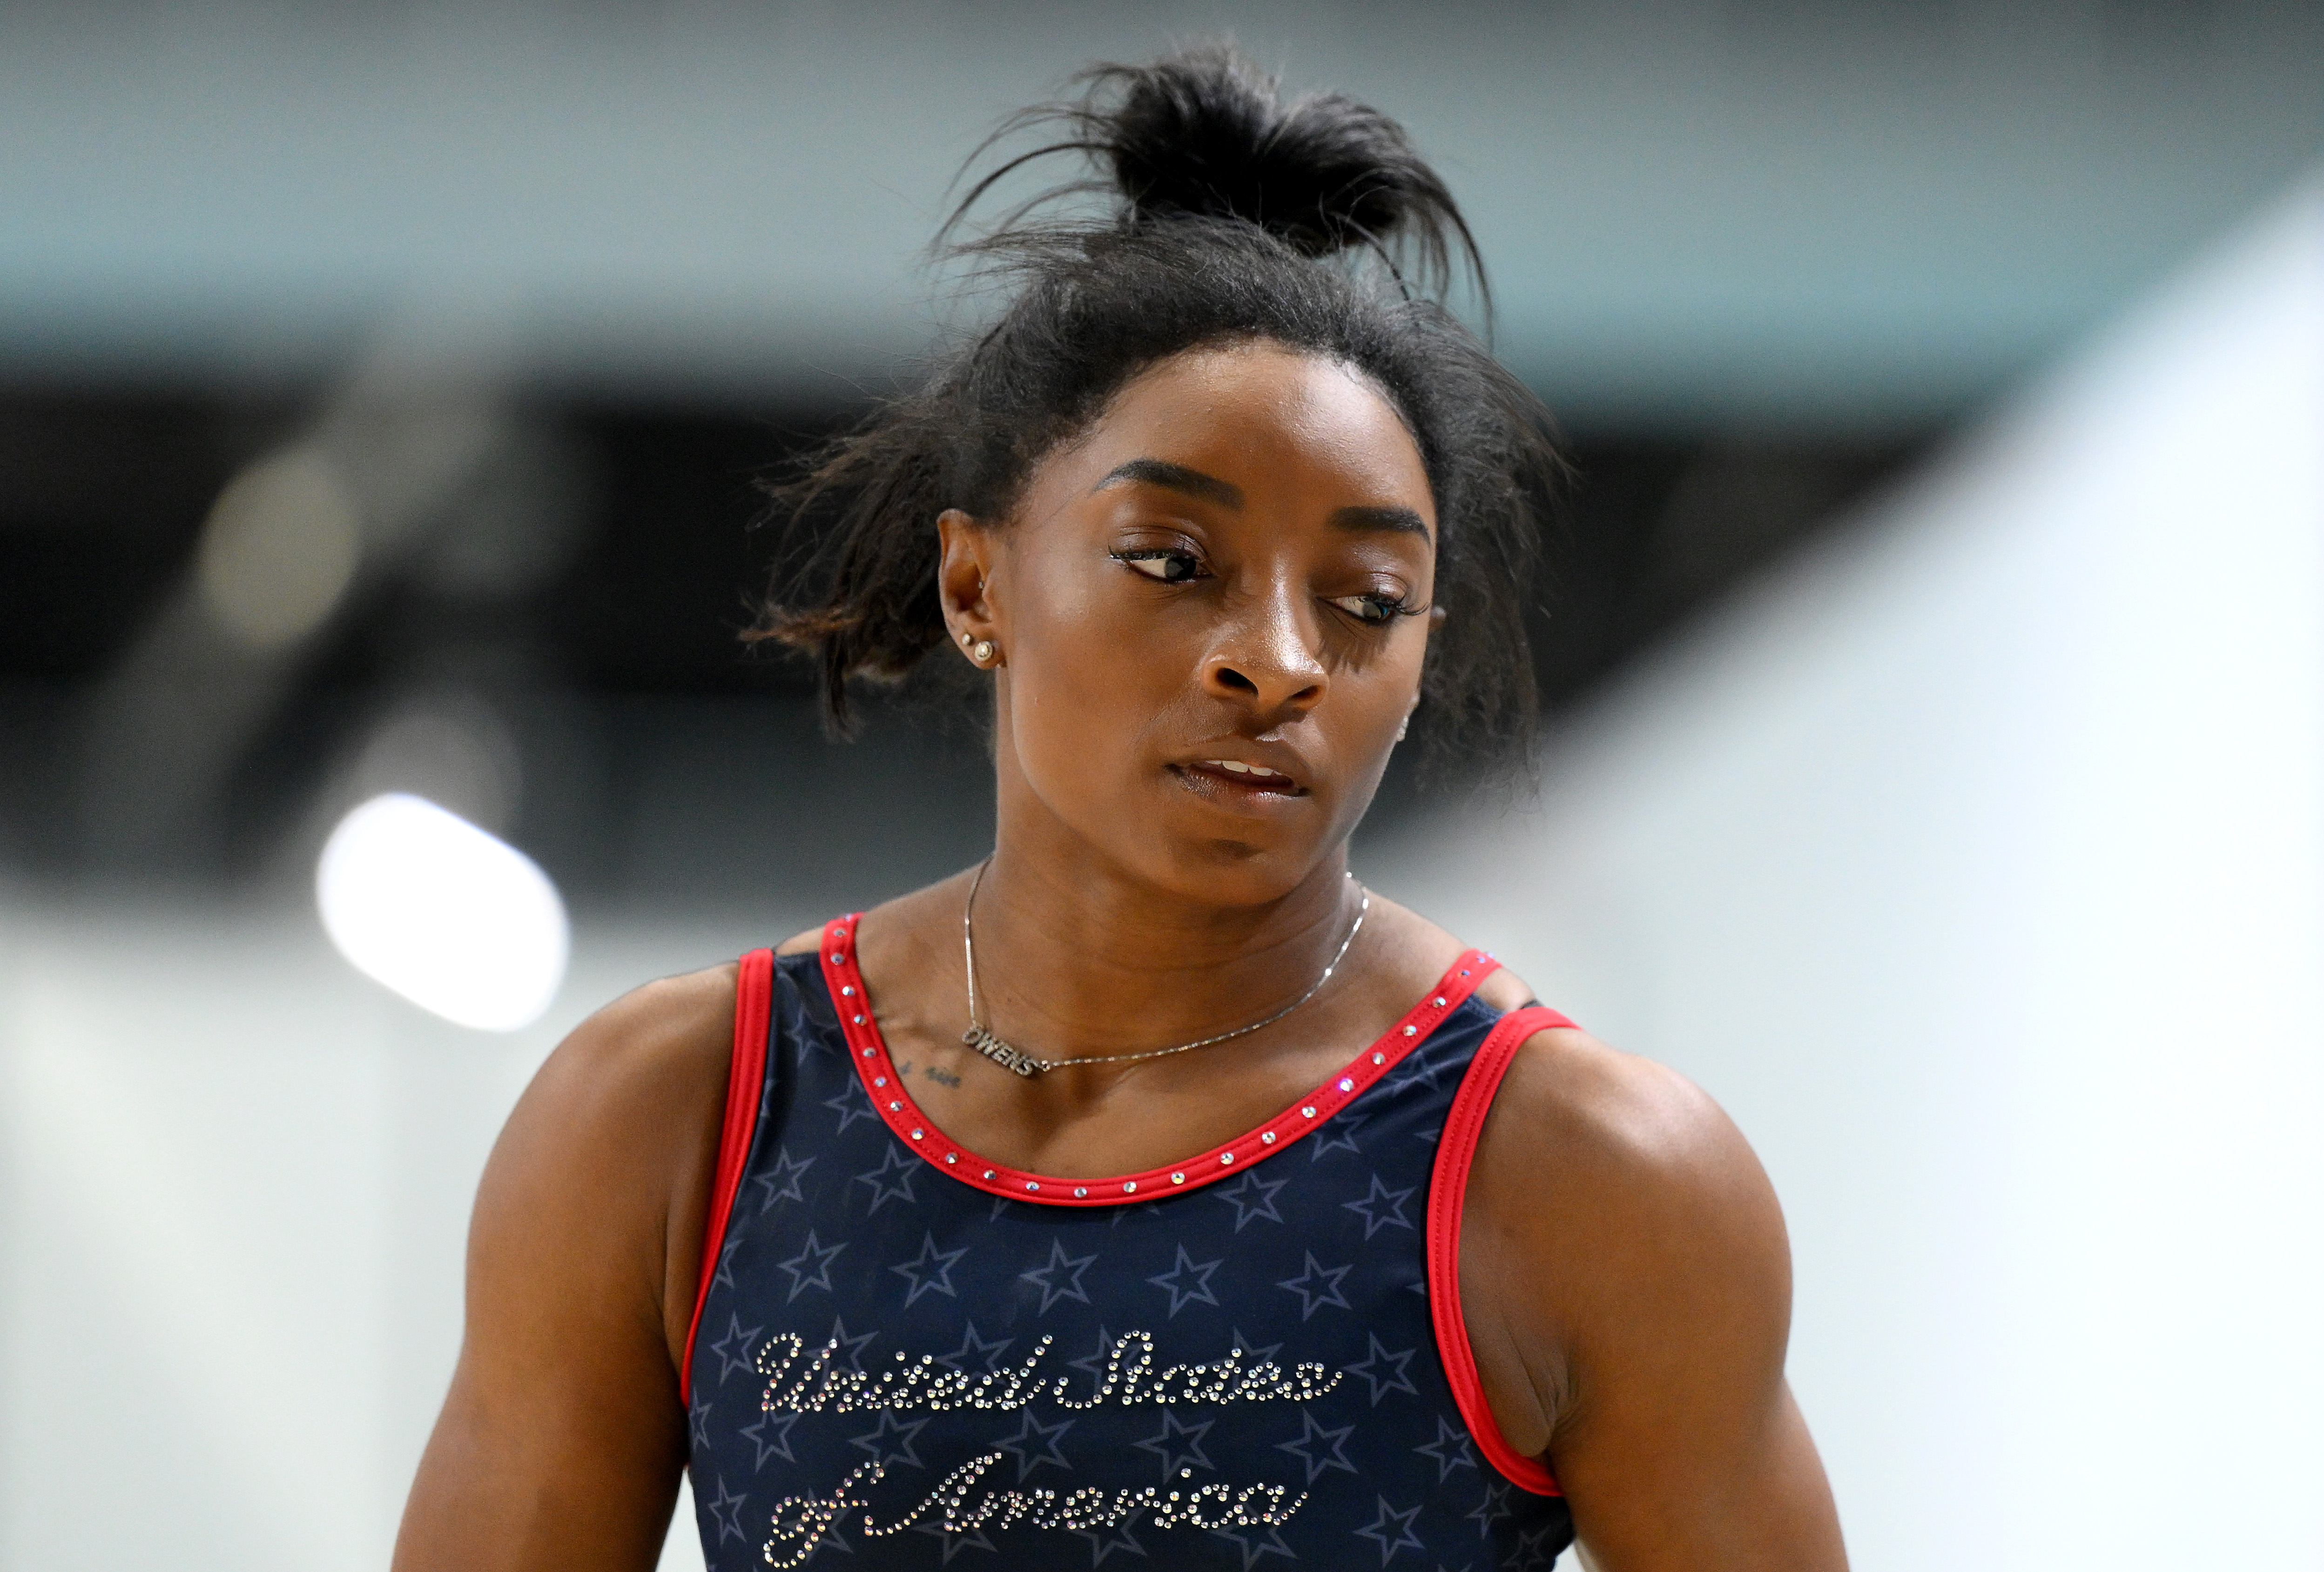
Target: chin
x,y
1230,864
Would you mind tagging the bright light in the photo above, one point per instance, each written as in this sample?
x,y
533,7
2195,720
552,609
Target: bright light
x,y
455,921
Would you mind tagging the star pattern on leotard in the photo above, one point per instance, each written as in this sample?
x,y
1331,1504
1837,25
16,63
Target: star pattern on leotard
x,y
1035,1443
1384,1371
930,1272
1392,1530
1319,1447
725,1277
698,1420
1317,1286
725,1510
890,1440
1492,1509
953,1544
1093,1363
734,1350
1252,1351
1382,1208
1253,1547
1451,1449
1189,1281
892,1180
1339,1135
851,1104
851,1349
1060,1277
811,1267
976,1353
1178,1444
770,1438
1252,1197
1532,1550
783,1183
1104,1542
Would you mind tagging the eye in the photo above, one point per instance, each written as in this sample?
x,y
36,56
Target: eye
x,y
1375,609
1169,564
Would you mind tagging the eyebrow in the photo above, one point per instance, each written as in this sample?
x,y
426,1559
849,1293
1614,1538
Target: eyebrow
x,y
1176,477
1193,482
1367,519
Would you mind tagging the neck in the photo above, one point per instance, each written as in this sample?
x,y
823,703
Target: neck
x,y
1078,956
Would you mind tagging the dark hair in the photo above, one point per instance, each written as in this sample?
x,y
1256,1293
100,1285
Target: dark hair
x,y
1236,217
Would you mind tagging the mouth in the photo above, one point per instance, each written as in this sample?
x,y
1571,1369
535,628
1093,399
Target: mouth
x,y
1233,779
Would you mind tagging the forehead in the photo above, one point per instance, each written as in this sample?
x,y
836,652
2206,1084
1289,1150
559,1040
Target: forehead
x,y
1284,427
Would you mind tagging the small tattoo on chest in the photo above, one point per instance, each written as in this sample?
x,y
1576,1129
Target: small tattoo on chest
x,y
941,1077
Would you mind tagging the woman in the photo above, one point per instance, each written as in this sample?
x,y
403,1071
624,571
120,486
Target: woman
x,y
1152,1187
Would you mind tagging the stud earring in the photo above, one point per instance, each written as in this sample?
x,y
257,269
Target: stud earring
x,y
966,639
1403,726
984,652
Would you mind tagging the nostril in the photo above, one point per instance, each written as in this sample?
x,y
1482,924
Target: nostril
x,y
1229,676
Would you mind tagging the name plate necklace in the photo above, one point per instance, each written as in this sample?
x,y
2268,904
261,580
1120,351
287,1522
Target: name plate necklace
x,y
1010,1057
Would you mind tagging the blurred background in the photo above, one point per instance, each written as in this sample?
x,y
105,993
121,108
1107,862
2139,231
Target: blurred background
x,y
1935,647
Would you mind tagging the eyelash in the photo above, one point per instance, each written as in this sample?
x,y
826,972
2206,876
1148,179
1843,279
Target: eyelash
x,y
1388,608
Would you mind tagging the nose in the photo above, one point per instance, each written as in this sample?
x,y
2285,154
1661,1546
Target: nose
x,y
1268,659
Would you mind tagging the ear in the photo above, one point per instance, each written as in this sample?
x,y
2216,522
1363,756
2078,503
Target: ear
x,y
964,578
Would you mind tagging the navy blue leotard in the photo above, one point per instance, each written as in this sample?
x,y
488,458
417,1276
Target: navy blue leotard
x,y
905,1355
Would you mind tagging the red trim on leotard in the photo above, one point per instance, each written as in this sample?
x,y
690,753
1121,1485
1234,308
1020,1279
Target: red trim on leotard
x,y
919,1132
1448,1189
754,1000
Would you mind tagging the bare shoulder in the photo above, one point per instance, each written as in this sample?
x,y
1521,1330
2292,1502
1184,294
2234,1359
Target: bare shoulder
x,y
1623,1141
605,1165
1615,1215
648,1047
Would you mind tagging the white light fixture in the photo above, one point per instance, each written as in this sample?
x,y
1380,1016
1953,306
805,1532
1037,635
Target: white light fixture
x,y
459,923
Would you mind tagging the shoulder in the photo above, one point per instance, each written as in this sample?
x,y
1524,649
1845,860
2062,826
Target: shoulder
x,y
1617,1215
1624,1145
647,1048
605,1168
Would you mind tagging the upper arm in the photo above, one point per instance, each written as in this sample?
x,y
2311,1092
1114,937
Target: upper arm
x,y
1628,1281
562,1438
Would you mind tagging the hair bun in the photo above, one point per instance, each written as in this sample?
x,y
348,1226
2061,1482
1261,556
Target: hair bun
x,y
1206,134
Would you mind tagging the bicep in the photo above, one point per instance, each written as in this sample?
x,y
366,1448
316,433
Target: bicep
x,y
562,1438
1645,1264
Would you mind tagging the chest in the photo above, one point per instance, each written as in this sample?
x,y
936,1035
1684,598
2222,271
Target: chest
x,y
895,1368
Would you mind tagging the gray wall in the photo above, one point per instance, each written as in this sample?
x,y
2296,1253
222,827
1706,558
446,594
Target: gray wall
x,y
1811,212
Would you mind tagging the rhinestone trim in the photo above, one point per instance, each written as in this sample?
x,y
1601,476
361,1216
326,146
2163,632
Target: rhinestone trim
x,y
1376,1061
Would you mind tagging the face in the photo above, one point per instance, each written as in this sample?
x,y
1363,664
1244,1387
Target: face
x,y
1209,614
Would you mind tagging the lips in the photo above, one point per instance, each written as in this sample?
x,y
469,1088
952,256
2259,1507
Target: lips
x,y
1238,780
1257,775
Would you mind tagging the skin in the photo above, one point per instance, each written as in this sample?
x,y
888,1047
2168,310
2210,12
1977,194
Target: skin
x,y
1624,1268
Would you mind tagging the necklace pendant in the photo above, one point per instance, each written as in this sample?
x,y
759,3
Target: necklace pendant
x,y
1001,1052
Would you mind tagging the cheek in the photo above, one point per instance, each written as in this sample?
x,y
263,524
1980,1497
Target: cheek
x,y
1086,666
